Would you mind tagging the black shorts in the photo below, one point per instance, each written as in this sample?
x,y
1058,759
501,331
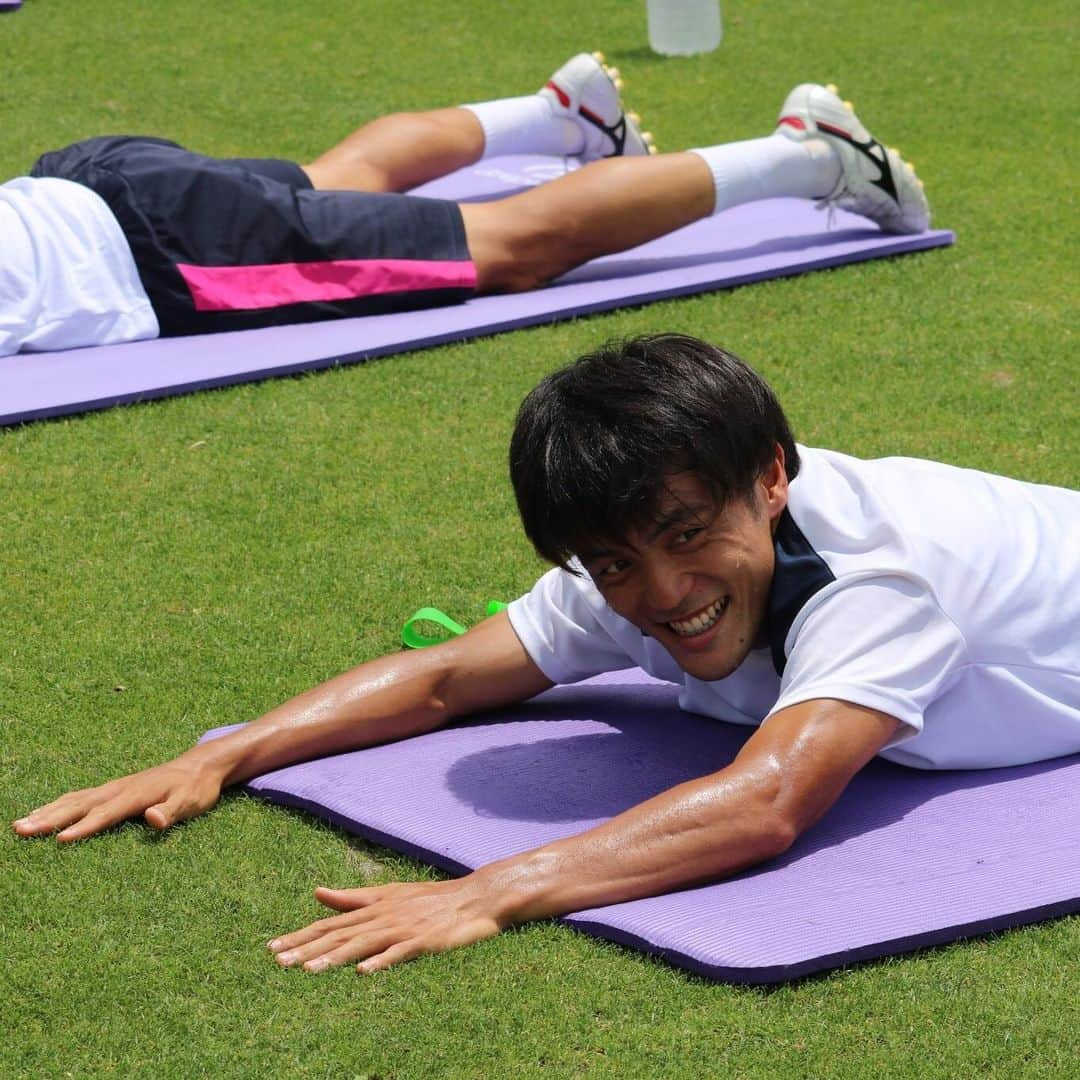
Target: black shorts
x,y
235,243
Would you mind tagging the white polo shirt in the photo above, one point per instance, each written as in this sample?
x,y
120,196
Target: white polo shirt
x,y
945,597
67,276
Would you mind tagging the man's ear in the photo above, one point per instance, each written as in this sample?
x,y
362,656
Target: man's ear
x,y
774,487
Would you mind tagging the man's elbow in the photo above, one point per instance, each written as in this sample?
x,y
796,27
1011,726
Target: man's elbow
x,y
773,814
774,832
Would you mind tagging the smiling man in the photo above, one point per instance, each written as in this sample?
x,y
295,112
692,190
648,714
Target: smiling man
x,y
845,608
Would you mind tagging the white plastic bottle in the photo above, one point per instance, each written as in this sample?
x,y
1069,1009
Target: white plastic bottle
x,y
684,27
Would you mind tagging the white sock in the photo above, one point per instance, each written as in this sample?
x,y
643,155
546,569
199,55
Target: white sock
x,y
770,168
526,125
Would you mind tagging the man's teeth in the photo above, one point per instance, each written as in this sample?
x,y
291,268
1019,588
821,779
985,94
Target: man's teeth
x,y
700,622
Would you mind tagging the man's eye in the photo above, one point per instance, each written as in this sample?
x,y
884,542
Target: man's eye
x,y
687,535
614,568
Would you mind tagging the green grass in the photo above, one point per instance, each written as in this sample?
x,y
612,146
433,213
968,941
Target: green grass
x,y
173,566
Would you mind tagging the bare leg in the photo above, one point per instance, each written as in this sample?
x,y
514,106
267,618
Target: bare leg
x,y
524,241
399,151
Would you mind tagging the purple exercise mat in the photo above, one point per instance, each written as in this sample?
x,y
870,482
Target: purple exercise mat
x,y
904,859
750,243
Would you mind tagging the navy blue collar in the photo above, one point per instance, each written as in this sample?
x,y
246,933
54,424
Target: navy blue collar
x,y
799,573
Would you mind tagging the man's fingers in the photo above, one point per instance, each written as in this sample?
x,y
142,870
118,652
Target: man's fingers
x,y
177,807
55,815
75,806
95,820
341,947
328,951
159,816
283,947
164,795
363,948
104,815
346,899
393,923
396,954
317,930
39,824
322,944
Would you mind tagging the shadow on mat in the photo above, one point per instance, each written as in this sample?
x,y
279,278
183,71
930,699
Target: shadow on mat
x,y
612,267
652,746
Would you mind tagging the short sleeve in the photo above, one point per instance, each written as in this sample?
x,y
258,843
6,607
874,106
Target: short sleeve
x,y
882,642
560,623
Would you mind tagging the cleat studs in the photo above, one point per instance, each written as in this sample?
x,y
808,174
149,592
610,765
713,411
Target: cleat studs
x,y
618,84
613,72
599,57
833,88
633,118
849,106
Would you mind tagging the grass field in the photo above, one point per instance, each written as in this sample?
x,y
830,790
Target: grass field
x,y
171,567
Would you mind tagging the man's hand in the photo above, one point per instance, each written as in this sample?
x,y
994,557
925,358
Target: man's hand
x,y
388,924
164,795
394,697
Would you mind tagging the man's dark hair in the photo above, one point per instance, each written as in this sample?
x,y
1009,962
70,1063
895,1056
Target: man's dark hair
x,y
594,443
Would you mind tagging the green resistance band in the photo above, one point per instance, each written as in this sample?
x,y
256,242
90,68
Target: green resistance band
x,y
439,626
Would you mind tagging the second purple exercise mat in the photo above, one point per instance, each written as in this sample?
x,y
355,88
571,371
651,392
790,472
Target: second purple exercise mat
x,y
750,243
906,858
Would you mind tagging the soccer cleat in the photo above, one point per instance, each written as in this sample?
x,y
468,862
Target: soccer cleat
x,y
874,181
587,90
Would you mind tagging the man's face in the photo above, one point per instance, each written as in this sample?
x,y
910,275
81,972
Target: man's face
x,y
697,578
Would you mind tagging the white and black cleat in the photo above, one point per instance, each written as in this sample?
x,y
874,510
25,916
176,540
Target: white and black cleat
x,y
587,90
875,181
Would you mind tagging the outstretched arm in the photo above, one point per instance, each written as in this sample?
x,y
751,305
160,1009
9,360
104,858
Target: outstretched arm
x,y
783,780
391,698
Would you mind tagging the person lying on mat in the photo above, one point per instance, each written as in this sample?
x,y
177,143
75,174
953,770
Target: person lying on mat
x,y
123,239
845,608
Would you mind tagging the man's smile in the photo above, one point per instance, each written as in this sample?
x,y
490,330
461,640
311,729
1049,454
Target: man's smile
x,y
700,621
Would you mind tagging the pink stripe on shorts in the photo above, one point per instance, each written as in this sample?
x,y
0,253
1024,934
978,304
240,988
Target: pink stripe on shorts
x,y
251,288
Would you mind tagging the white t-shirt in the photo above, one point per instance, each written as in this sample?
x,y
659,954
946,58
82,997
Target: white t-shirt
x,y
67,276
945,597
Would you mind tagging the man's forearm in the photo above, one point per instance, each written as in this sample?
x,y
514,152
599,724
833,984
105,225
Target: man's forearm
x,y
787,775
393,697
699,831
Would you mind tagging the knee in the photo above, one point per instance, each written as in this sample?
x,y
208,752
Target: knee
x,y
513,250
